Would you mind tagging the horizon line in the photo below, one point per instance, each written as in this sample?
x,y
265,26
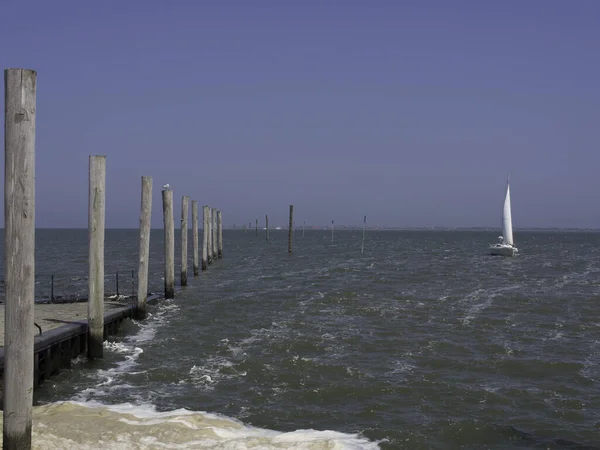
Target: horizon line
x,y
353,228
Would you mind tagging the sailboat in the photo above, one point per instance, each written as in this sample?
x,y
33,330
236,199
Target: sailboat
x,y
505,245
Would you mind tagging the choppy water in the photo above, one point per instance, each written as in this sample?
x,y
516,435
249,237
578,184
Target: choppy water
x,y
422,342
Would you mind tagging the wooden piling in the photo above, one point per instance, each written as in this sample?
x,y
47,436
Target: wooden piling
x,y
19,255
214,233
185,202
267,226
211,225
169,229
219,234
145,216
195,236
205,236
291,228
96,216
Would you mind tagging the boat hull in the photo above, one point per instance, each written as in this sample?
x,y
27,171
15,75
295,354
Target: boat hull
x,y
503,250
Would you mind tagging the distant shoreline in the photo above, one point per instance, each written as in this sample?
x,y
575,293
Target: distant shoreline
x,y
381,228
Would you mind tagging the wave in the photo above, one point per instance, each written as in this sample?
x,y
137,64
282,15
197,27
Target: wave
x,y
92,425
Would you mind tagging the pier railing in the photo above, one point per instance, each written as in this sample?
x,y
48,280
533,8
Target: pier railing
x,y
63,288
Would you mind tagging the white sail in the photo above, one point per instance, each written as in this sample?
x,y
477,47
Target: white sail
x,y
507,233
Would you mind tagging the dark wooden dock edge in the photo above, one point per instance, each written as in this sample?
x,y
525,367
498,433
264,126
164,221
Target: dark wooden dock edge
x,y
54,349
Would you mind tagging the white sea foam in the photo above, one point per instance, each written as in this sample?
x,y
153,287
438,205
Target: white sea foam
x,y
92,425
129,349
481,299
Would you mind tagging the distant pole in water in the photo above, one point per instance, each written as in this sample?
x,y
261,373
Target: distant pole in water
x,y
291,229
195,236
267,226
256,227
145,215
19,255
362,248
332,231
169,230
303,225
204,237
185,201
96,217
219,234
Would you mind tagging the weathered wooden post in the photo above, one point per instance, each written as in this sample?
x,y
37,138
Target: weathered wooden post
x,y
195,236
185,201
96,216
145,215
219,234
214,232
169,225
205,236
291,229
210,235
19,255
267,226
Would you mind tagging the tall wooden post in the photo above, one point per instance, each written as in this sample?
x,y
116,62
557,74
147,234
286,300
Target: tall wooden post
x,y
145,216
213,238
185,202
204,237
97,196
195,236
291,229
206,254
267,226
219,234
169,225
19,255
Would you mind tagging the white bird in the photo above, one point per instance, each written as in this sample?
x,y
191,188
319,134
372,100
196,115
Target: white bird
x,y
166,186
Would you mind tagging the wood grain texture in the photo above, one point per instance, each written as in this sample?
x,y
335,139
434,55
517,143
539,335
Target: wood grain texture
x,y
96,217
19,255
169,229
185,202
144,255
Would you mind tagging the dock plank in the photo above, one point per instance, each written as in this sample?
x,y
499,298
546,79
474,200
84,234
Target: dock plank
x,y
51,316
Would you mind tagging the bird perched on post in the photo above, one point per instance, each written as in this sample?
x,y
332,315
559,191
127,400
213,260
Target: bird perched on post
x,y
166,186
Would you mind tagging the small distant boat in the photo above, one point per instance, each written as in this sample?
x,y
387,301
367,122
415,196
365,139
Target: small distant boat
x,y
505,245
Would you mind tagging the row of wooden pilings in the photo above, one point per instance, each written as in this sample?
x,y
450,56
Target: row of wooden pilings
x,y
212,242
19,253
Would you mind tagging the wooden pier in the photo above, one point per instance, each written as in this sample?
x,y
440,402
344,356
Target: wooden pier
x,y
65,334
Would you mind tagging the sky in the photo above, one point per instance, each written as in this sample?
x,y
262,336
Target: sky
x,y
409,112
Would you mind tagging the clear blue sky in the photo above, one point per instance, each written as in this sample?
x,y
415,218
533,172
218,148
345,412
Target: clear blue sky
x,y
410,112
